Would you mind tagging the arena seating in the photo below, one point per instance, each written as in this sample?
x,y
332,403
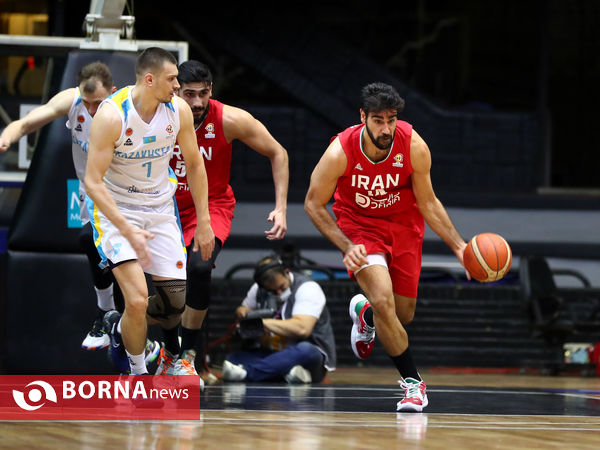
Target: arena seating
x,y
455,325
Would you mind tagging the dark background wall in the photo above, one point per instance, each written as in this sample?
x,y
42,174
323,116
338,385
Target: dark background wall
x,y
537,56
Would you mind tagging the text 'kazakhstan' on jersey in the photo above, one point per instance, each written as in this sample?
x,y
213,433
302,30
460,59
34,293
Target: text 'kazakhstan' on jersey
x,y
139,173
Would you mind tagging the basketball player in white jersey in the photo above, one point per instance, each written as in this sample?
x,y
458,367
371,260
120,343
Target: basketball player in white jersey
x,y
79,104
131,204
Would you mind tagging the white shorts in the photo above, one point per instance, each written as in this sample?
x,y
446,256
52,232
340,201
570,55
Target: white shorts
x,y
167,248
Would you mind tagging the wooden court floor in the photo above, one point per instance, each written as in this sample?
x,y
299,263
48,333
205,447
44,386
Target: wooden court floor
x,y
355,409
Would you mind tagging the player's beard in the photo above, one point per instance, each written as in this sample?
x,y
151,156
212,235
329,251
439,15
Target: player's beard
x,y
198,119
377,141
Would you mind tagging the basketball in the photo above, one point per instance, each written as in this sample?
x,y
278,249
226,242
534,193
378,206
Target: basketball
x,y
487,257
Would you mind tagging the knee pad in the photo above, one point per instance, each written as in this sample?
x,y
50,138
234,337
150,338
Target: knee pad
x,y
199,274
169,301
198,292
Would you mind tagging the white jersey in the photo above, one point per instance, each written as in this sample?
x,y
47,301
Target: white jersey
x,y
139,173
79,122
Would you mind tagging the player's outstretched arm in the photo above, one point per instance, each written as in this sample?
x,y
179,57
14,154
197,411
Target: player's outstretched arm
x,y
322,185
57,106
429,205
204,238
241,125
104,132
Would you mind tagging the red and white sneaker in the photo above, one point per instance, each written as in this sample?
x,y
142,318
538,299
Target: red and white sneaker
x,y
415,395
362,336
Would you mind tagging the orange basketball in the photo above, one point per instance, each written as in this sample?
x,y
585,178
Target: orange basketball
x,y
487,257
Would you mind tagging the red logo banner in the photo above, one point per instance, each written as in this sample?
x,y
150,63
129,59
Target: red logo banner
x,y
97,397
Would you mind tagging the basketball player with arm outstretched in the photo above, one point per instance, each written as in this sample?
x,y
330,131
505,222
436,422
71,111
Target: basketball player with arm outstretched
x,y
379,175
79,104
131,187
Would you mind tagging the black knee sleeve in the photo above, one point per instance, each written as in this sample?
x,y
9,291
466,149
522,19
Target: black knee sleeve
x,y
199,275
102,277
169,301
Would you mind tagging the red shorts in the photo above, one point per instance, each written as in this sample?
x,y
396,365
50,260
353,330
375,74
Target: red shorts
x,y
221,215
399,238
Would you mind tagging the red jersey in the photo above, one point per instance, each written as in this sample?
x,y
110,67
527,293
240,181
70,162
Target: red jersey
x,y
376,189
217,159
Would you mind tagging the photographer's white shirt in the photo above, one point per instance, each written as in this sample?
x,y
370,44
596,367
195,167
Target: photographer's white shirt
x,y
310,299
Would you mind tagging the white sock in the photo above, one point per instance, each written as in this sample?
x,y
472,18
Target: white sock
x,y
106,301
119,326
137,363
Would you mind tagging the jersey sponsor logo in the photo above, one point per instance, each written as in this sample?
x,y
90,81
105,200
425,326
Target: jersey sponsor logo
x,y
78,127
135,190
210,131
128,142
358,167
80,119
169,128
128,132
179,264
149,139
398,158
367,202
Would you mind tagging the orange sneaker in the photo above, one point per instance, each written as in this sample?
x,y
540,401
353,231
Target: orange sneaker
x,y
165,362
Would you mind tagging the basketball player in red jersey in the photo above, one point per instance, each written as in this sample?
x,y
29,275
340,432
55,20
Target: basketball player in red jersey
x,y
384,191
217,125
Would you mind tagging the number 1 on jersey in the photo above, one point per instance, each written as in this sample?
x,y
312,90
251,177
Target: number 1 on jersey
x,y
149,164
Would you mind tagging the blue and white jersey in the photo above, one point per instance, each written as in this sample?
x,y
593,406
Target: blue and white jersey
x,y
139,173
79,121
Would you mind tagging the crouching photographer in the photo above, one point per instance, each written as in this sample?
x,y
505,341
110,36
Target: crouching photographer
x,y
286,329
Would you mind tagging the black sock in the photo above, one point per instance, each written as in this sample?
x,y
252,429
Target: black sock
x,y
368,316
406,366
172,340
189,338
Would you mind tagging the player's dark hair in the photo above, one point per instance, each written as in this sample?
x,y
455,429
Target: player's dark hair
x,y
193,71
91,73
152,60
377,97
267,268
